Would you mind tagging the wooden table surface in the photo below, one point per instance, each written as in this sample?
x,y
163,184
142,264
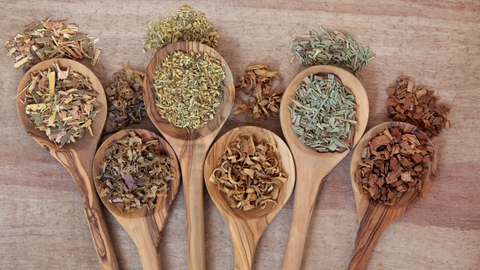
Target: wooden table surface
x,y
42,224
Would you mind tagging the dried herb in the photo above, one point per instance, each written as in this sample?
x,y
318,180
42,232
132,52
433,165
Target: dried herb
x,y
323,113
134,173
125,99
43,40
189,88
185,25
265,102
331,47
393,163
416,105
62,103
249,174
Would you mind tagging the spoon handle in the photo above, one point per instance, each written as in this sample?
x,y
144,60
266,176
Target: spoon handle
x,y
376,219
82,175
244,241
145,232
304,201
191,163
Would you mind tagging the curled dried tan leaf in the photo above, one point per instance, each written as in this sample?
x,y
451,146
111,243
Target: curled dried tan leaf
x,y
257,85
134,173
249,174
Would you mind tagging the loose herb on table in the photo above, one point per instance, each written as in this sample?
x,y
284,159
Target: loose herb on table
x,y
331,47
62,103
262,101
43,40
249,174
185,25
416,105
392,163
134,173
125,99
323,113
189,88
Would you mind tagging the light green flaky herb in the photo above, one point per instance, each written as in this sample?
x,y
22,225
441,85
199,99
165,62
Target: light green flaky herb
x,y
331,47
189,88
323,113
185,25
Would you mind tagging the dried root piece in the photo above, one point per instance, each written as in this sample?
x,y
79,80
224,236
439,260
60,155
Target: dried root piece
x,y
416,105
43,40
249,174
125,99
62,103
185,25
134,173
392,163
262,101
331,47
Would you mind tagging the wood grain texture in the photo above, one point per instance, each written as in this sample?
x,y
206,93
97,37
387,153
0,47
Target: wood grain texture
x,y
435,42
312,166
77,157
144,226
246,228
191,146
375,217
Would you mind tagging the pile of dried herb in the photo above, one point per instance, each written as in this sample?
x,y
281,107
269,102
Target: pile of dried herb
x,y
185,25
189,88
125,99
323,113
416,105
265,102
62,103
249,174
392,163
43,40
331,47
134,173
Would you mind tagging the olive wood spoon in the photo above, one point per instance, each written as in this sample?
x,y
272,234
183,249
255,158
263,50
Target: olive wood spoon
x,y
375,217
246,227
191,147
77,157
312,167
144,226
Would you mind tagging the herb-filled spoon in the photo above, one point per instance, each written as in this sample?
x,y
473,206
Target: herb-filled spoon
x,y
190,145
143,225
311,166
375,217
77,157
246,227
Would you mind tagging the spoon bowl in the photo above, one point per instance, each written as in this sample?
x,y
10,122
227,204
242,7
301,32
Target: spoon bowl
x,y
375,217
191,146
311,166
246,227
77,157
143,225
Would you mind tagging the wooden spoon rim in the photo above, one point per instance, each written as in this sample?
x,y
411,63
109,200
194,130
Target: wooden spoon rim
x,y
162,203
97,124
286,162
166,128
361,99
363,199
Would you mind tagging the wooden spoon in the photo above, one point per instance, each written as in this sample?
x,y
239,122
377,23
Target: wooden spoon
x,y
77,157
144,226
312,167
375,217
191,147
246,228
